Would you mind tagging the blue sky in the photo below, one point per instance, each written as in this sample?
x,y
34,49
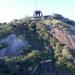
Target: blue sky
x,y
16,9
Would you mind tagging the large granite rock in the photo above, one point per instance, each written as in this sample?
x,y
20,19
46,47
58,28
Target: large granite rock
x,y
63,37
15,46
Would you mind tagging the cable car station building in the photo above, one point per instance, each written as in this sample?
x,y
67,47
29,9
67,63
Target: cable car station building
x,y
37,15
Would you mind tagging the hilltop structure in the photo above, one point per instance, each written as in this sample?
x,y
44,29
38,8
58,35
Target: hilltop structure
x,y
37,15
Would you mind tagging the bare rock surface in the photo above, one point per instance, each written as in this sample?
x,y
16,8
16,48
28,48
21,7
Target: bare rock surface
x,y
63,37
14,46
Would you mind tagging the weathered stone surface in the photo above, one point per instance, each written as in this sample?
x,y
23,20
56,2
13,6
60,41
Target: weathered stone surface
x,y
14,46
63,37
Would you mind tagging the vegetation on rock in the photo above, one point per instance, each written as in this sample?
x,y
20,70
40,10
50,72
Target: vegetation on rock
x,y
44,55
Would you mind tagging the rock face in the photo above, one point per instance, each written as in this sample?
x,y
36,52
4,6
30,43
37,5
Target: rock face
x,y
14,46
63,37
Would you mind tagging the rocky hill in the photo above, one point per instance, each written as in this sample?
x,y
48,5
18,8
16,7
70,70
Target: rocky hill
x,y
41,47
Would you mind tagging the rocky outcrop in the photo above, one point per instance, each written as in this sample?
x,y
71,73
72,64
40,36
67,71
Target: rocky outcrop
x,y
14,46
63,37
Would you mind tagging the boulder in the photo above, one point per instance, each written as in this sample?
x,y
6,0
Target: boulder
x,y
63,37
15,46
